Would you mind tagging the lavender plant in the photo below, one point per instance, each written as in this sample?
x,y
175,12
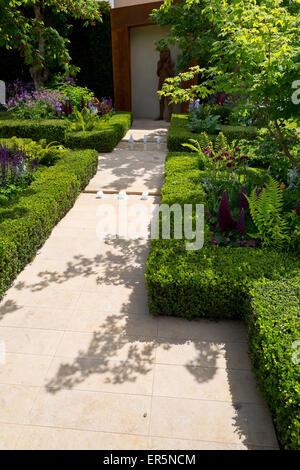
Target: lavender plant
x,y
37,104
17,170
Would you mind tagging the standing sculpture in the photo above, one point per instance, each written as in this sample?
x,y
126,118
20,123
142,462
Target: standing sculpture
x,y
165,69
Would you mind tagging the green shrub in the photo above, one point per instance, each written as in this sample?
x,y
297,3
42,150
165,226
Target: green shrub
x,y
51,130
182,183
75,93
48,154
213,282
273,326
105,139
26,222
179,132
259,285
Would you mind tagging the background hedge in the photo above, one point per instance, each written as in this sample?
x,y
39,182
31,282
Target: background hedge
x,y
26,222
179,132
49,129
103,140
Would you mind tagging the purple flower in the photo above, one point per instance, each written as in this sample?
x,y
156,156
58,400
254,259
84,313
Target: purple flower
x,y
224,215
241,225
242,200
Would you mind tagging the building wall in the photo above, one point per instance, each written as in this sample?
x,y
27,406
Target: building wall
x,y
144,81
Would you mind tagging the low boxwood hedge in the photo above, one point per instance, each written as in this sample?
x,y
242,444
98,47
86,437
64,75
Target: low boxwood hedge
x,y
179,132
55,130
213,282
103,140
26,222
259,285
49,129
274,336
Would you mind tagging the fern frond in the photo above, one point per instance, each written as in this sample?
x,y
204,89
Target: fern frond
x,y
265,210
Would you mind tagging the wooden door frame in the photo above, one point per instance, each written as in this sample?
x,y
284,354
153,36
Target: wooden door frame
x,y
122,20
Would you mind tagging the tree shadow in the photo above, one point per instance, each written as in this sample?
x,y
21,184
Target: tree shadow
x,y
16,213
125,169
121,350
8,306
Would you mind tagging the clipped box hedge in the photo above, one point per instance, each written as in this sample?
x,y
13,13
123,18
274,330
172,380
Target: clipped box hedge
x,y
180,133
55,130
274,328
259,285
52,130
103,140
26,222
213,282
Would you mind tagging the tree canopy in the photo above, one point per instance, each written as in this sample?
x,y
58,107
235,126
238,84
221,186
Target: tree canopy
x,y
253,53
29,27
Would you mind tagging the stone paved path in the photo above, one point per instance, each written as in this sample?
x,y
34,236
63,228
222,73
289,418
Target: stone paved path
x,y
86,367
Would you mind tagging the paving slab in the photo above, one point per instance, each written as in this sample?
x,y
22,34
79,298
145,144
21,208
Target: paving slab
x,y
86,367
129,170
152,129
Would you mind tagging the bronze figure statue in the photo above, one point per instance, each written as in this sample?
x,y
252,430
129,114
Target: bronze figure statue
x,y
165,69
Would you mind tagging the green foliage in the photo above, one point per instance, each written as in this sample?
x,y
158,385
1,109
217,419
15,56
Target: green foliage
x,y
26,222
47,154
10,191
185,23
212,283
273,328
200,119
265,152
179,133
265,209
75,93
104,139
84,120
195,146
89,47
260,285
51,153
254,55
44,49
50,130
209,124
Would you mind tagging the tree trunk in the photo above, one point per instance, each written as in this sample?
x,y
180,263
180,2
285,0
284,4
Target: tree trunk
x,y
279,137
38,71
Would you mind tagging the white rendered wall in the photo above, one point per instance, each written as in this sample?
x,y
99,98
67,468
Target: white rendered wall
x,y
144,80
